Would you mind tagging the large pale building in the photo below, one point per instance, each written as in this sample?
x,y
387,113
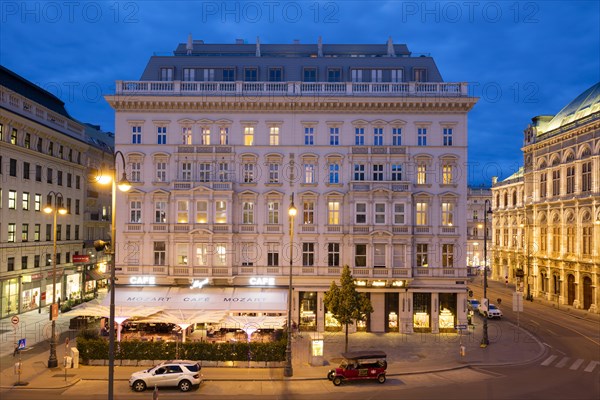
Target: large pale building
x,y
368,139
44,157
476,225
547,215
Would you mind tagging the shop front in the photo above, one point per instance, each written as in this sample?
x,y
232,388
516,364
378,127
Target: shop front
x,y
31,293
9,300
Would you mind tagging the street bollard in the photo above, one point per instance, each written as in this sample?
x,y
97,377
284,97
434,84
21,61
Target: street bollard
x,y
463,351
155,393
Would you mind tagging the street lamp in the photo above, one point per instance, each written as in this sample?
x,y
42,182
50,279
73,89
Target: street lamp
x,y
124,186
288,370
487,210
525,226
57,209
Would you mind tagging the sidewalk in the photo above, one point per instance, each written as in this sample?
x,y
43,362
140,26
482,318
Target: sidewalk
x,y
407,354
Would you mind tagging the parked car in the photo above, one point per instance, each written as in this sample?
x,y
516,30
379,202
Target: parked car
x,y
492,312
177,373
360,365
473,305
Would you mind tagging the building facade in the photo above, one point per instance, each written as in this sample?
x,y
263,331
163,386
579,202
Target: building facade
x,y
476,226
547,215
367,138
43,158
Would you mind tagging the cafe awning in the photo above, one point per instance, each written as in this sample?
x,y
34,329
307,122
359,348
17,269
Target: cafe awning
x,y
94,275
225,299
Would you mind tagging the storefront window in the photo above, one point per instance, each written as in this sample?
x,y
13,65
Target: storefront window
x,y
447,319
422,312
10,297
49,294
391,311
31,299
308,311
73,286
331,324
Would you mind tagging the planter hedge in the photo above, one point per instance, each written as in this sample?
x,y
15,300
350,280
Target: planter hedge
x,y
97,349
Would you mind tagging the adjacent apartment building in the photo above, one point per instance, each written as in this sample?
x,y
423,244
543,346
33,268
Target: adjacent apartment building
x,y
44,158
368,142
547,215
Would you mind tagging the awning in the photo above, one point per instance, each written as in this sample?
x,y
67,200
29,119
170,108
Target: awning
x,y
226,299
94,275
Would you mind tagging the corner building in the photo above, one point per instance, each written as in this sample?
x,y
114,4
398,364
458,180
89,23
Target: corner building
x,y
546,225
369,140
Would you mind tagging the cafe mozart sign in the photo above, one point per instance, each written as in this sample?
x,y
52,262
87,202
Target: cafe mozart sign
x,y
226,299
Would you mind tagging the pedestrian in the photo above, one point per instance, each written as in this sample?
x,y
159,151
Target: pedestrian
x,y
499,300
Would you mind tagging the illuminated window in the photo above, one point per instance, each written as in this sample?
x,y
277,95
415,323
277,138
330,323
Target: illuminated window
x,y
205,137
201,212
160,212
421,174
223,135
333,213
447,177
182,253
421,213
201,254
186,135
182,211
248,136
220,212
274,136
447,214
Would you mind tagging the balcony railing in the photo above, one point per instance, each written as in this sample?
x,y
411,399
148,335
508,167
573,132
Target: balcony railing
x,y
392,89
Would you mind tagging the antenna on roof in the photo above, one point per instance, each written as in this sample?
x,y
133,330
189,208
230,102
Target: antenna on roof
x,y
257,46
189,47
320,47
390,48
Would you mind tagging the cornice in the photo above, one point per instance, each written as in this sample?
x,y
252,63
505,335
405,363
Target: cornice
x,y
286,105
552,140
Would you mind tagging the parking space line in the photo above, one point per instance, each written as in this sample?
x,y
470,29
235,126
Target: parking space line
x,y
549,360
576,364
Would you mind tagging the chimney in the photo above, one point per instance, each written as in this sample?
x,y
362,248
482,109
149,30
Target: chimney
x,y
239,41
189,46
390,48
257,46
320,47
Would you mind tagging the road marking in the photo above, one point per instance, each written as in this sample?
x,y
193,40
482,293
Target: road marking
x,y
549,360
551,332
576,364
591,366
563,353
546,344
562,362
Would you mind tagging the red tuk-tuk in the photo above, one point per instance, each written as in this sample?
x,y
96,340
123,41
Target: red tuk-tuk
x,y
360,365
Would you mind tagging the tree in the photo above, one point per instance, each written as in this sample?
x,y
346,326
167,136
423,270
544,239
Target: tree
x,y
346,303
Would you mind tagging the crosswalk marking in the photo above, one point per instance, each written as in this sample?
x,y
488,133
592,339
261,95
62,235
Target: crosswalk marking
x,y
549,360
562,362
577,364
591,366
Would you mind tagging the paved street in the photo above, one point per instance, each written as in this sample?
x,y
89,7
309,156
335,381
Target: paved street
x,y
420,365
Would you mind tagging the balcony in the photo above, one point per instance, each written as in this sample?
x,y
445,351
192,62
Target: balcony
x,y
188,184
449,230
239,88
394,186
422,230
272,228
436,272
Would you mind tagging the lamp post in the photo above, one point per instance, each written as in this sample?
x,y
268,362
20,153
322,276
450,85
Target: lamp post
x,y
124,186
57,209
288,370
525,226
487,210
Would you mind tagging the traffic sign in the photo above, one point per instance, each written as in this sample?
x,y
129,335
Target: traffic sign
x,y
460,327
21,344
518,301
15,320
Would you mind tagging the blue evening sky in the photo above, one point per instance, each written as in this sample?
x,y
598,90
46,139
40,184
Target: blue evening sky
x,y
522,58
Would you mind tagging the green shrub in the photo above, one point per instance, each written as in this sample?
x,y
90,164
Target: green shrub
x,y
95,348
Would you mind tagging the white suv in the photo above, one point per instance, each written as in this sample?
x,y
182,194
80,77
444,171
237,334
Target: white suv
x,y
177,373
492,312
